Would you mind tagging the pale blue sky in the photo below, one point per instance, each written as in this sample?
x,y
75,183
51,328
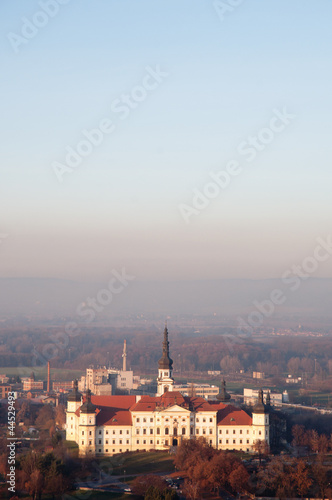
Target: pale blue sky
x,y
120,206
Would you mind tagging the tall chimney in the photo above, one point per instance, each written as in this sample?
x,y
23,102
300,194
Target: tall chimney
x,y
48,377
124,356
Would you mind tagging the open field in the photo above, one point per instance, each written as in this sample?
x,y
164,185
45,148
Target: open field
x,y
58,374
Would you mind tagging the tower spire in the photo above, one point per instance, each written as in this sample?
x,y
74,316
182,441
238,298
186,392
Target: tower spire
x,y
165,361
48,377
165,366
124,356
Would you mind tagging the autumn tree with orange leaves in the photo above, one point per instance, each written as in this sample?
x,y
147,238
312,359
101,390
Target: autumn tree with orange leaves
x,y
207,469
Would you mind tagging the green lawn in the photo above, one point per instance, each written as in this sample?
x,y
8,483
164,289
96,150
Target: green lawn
x,y
138,463
72,448
58,374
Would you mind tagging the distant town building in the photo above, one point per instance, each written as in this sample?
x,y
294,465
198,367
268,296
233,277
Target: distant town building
x,y
105,381
259,375
276,398
34,394
114,379
106,425
4,389
30,384
285,397
202,390
214,372
63,386
293,380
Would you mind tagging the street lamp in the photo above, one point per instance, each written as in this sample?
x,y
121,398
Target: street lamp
x,y
124,473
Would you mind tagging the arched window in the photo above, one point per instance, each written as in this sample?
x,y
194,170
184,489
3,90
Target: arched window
x,y
175,431
158,430
167,430
183,431
166,388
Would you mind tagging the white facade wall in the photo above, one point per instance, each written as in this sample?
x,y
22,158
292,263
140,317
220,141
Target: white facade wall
x,y
235,437
159,428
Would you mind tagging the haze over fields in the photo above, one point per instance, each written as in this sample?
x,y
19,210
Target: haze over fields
x,y
224,297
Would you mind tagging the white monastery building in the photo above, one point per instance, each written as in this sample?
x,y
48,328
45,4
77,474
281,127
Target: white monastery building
x,y
106,425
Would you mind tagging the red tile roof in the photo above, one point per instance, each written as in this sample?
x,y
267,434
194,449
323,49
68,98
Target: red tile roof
x,y
123,402
110,406
116,410
145,404
231,415
114,417
149,403
171,398
217,405
200,404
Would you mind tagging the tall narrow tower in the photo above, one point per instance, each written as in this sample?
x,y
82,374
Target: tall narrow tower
x,y
48,377
124,356
165,380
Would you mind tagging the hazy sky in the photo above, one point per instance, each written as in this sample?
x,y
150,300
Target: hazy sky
x,y
221,79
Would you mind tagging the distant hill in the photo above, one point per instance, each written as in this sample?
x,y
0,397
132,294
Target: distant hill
x,y
31,296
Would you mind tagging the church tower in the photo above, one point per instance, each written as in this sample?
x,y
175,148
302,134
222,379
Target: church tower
x,y
73,403
165,380
260,420
87,427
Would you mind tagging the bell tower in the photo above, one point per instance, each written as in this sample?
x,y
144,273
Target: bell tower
x,y
165,380
260,420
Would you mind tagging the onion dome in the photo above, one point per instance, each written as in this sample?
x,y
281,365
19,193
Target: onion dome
x,y
75,395
88,407
259,406
223,396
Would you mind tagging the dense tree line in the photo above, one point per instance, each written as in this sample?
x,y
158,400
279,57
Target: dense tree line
x,y
311,439
209,471
300,356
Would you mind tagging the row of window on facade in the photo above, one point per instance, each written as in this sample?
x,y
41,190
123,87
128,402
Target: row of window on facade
x,y
175,431
144,419
106,432
107,442
166,442
234,441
